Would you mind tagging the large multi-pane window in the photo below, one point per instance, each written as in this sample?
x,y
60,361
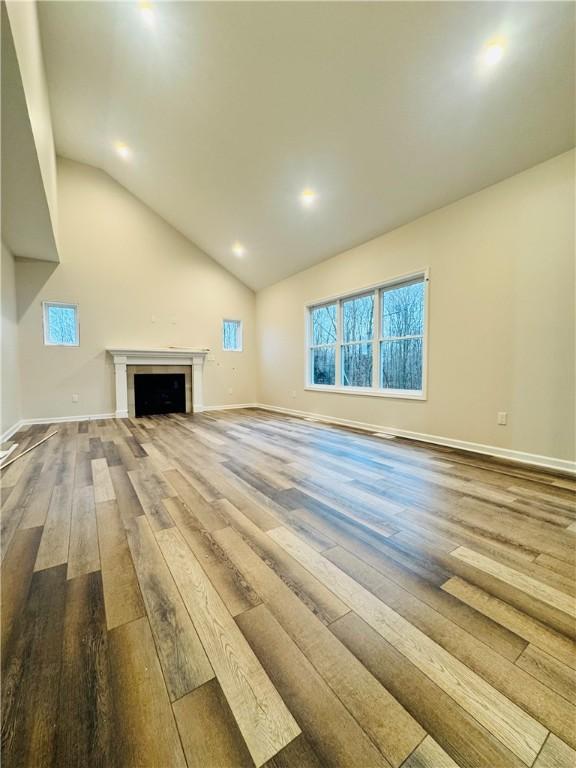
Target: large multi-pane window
x,y
372,342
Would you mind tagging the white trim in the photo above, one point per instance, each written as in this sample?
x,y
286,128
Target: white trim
x,y
229,407
97,416
158,356
375,290
425,272
53,420
547,462
404,394
12,430
168,355
533,459
377,346
62,419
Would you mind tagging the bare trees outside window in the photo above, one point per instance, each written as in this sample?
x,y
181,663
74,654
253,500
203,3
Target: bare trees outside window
x,y
232,335
358,332
402,334
323,347
61,324
372,341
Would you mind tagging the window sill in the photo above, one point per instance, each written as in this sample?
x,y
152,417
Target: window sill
x,y
395,393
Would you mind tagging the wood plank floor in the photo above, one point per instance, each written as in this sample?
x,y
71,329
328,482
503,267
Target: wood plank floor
x,y
239,589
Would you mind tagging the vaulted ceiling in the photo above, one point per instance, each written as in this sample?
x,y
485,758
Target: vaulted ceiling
x,y
229,110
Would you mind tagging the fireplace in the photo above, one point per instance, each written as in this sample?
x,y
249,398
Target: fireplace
x,y
132,371
129,362
159,393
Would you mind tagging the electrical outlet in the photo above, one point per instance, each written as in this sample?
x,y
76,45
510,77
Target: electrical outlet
x,y
293,393
229,390
75,398
502,418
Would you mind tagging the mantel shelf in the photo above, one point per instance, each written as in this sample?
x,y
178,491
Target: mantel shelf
x,y
157,352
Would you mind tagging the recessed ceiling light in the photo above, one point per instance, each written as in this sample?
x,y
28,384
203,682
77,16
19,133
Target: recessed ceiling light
x,y
308,197
493,52
122,149
238,249
147,12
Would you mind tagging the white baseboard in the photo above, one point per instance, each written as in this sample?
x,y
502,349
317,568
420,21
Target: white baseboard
x,y
12,430
546,462
97,416
228,407
55,420
59,419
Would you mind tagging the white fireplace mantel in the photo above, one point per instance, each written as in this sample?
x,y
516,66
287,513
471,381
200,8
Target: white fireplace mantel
x,y
163,356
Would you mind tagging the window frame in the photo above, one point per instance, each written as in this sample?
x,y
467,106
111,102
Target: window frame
x,y
240,334
310,347
45,324
340,335
376,290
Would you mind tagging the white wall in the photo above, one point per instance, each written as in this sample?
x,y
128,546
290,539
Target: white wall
x,y
138,283
501,318
10,380
23,18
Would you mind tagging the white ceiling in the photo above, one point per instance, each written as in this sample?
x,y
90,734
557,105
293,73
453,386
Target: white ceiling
x,y
231,109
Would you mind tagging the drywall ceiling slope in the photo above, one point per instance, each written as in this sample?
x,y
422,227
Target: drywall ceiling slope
x,y
27,227
230,109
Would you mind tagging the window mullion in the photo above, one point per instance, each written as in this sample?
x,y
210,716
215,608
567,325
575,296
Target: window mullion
x,y
402,338
375,341
337,357
309,370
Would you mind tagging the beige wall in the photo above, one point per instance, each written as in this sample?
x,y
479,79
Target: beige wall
x,y
10,380
139,283
501,311
501,318
23,18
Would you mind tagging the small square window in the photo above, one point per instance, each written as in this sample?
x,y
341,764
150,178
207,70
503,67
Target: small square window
x,y
61,324
232,335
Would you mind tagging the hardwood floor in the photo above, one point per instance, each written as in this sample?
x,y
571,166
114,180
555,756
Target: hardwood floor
x,y
245,589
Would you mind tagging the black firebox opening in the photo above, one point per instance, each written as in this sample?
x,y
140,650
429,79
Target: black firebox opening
x,y
159,393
